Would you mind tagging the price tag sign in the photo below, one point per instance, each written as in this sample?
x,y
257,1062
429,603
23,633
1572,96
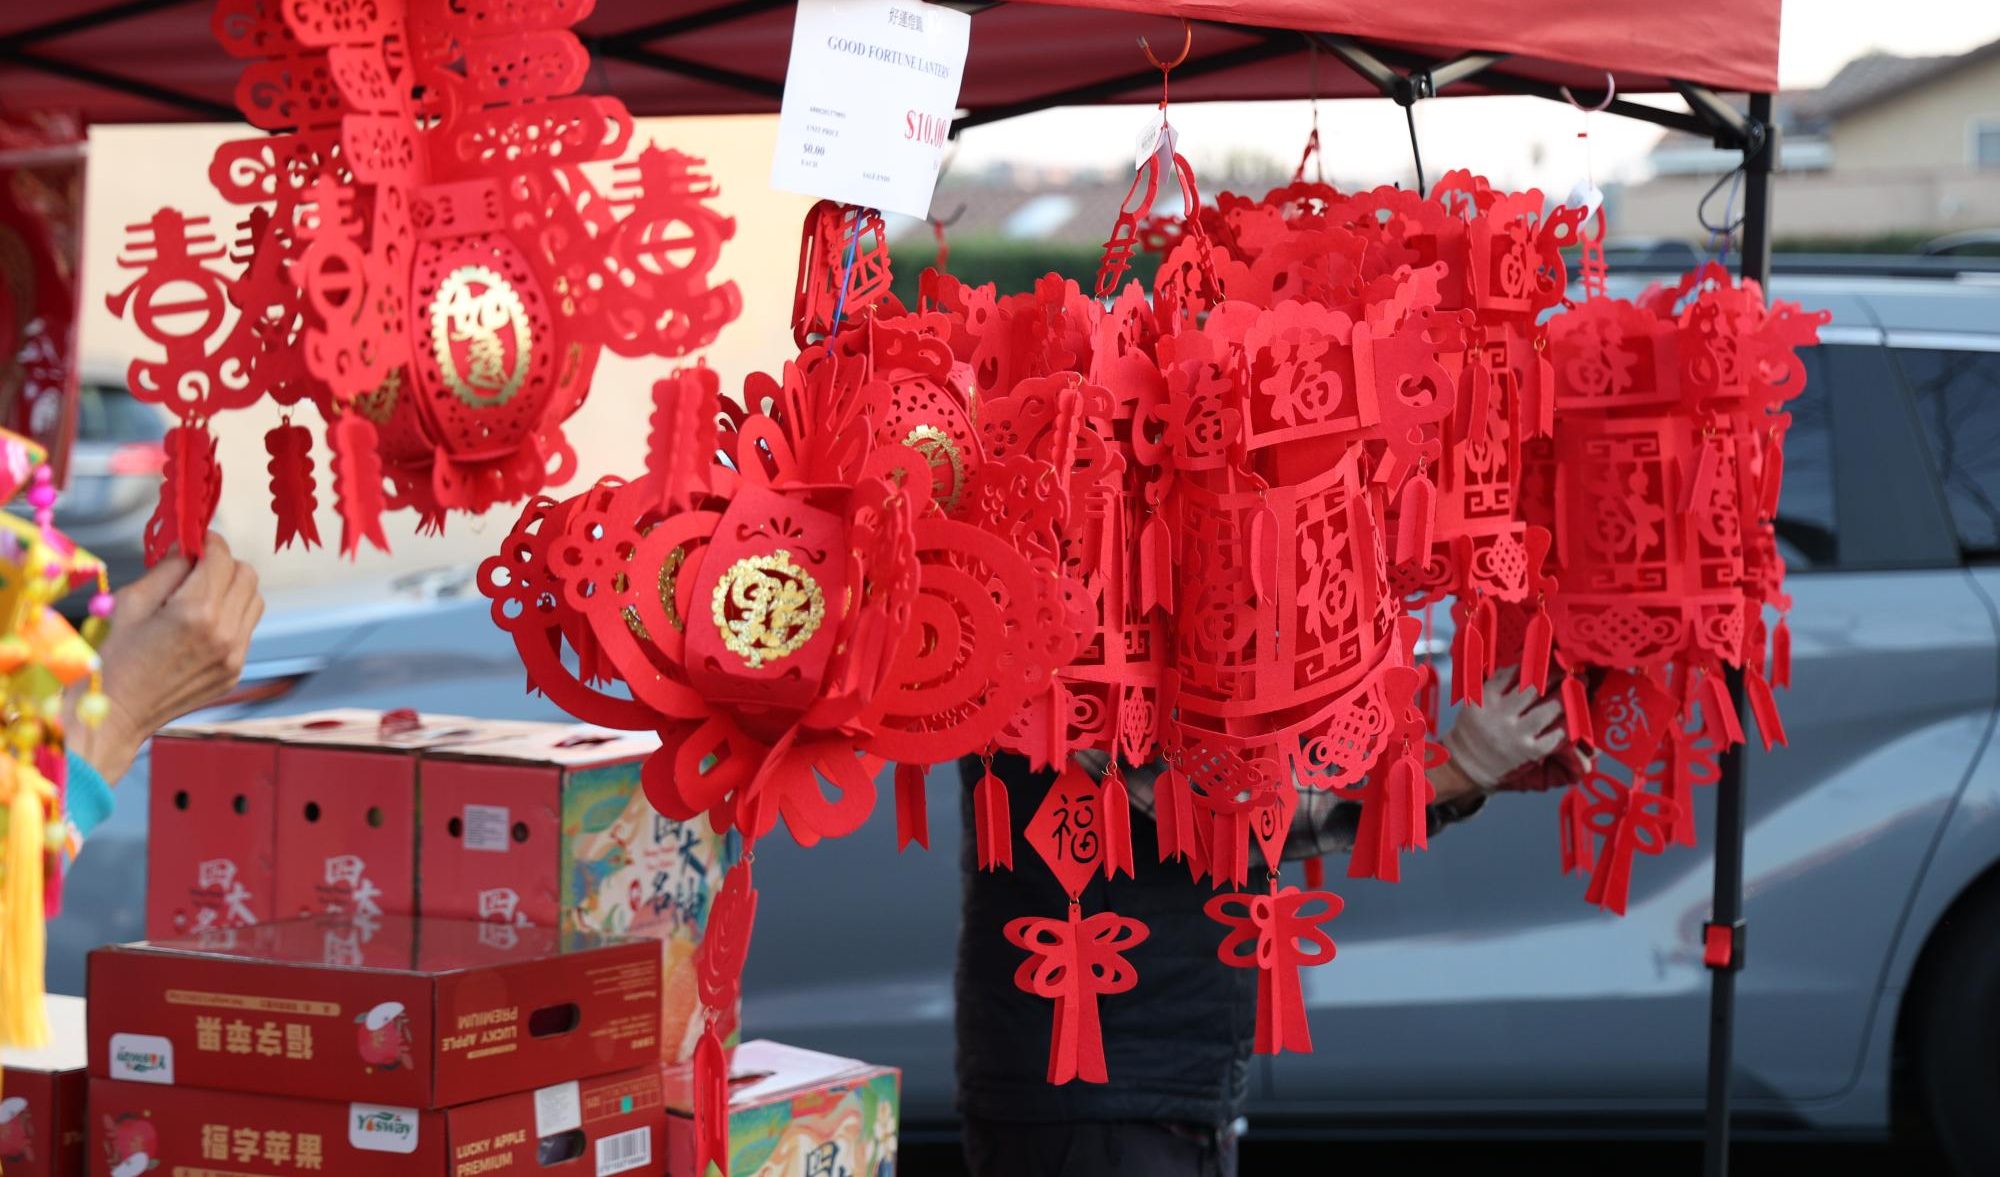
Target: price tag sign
x,y
869,97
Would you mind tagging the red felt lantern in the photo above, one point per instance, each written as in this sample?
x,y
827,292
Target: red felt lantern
x,y
1659,485
424,259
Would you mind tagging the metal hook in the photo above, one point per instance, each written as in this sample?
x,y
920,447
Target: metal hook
x,y
951,220
1187,44
1610,92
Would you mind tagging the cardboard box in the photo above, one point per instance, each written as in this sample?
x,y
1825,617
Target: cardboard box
x,y
400,1012
552,829
42,1118
345,842
601,1126
792,1113
212,824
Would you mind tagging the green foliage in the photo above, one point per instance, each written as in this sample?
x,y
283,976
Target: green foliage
x,y
1013,266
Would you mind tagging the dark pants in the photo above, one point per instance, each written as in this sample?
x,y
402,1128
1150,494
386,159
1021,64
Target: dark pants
x,y
1122,1148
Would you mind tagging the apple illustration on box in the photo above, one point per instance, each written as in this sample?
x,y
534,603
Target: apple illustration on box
x,y
385,1036
17,1130
132,1144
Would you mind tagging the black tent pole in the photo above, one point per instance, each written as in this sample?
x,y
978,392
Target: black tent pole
x,y
1722,940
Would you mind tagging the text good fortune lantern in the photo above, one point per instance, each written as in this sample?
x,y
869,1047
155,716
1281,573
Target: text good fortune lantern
x,y
423,259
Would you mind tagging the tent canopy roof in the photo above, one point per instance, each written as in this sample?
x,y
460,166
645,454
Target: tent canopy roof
x,y
156,61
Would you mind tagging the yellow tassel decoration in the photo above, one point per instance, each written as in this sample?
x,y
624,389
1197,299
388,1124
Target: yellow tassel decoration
x,y
29,799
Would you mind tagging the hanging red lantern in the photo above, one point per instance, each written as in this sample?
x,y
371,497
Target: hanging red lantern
x,y
1660,486
424,258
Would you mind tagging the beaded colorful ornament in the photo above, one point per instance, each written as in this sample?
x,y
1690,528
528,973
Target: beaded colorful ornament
x,y
41,657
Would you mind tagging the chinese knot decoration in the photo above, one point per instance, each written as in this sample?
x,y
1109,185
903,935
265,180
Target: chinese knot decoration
x,y
422,257
1660,485
41,657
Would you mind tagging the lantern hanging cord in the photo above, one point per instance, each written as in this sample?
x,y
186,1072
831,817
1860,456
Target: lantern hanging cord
x,y
847,270
1721,234
1416,152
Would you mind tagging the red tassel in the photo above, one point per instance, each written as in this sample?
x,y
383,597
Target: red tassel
x,y
1781,655
191,483
1468,675
1315,873
357,483
1545,395
1228,861
1156,566
1679,783
1535,646
1723,725
913,821
1114,809
292,497
1416,515
1165,804
1576,711
1489,628
1576,845
1698,489
1764,707
995,823
1773,484
711,1106
681,445
1264,553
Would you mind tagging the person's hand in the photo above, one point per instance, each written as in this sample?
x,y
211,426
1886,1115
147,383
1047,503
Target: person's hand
x,y
1516,726
177,642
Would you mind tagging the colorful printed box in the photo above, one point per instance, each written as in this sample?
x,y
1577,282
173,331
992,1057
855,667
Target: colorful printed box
x,y
401,1012
552,829
794,1113
42,1116
212,822
601,1126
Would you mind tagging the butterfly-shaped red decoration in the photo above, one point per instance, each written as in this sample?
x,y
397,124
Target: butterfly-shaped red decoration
x,y
1074,962
1277,934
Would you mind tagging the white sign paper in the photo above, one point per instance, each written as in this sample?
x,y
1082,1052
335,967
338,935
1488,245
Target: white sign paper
x,y
869,98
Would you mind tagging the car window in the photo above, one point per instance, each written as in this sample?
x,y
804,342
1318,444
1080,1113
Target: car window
x,y
106,412
1807,536
1957,398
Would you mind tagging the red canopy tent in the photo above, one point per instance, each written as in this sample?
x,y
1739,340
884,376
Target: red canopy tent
x,y
157,61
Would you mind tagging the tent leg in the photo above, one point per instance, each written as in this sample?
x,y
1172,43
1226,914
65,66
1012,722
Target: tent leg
x,y
1723,934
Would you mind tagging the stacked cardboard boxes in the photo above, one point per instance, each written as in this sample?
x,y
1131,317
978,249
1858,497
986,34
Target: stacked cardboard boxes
x,y
42,1099
407,1046
792,1113
359,815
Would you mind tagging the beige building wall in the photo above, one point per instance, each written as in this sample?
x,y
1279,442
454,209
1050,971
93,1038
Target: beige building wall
x,y
1822,204
1926,127
134,170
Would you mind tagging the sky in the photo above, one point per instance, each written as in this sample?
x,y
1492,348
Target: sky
x,y
1518,142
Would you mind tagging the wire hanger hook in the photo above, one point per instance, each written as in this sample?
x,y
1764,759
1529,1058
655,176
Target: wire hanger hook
x,y
1187,44
1610,92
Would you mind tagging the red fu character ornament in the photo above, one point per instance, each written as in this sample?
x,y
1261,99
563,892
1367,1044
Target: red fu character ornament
x,y
1075,961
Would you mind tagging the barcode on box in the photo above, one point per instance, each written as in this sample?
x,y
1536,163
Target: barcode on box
x,y
626,1150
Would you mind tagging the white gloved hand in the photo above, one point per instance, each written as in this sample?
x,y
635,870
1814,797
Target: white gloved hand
x,y
1513,728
